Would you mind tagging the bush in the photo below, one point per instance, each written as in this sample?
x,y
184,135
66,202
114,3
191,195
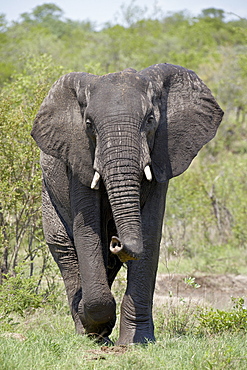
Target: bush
x,y
180,317
213,321
21,295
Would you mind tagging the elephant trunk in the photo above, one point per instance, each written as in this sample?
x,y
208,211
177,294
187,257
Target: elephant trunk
x,y
121,170
125,203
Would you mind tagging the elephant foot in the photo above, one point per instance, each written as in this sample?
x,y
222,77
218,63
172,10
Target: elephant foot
x,y
98,318
136,332
136,324
135,338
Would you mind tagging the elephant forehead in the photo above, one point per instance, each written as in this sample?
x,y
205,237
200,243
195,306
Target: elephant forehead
x,y
122,92
122,82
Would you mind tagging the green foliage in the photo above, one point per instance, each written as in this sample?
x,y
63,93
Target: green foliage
x,y
206,210
20,222
21,295
190,281
213,321
184,317
213,13
44,13
177,317
18,294
21,237
142,39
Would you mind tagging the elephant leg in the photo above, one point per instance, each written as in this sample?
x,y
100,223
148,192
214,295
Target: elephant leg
x,y
63,251
97,309
66,259
136,323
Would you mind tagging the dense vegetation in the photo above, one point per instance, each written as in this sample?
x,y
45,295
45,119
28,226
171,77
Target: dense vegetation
x,y
205,227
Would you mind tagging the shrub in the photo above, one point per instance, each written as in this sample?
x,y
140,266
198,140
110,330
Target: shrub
x,y
183,317
213,321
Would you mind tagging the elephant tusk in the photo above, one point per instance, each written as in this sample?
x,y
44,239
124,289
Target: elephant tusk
x,y
94,184
148,173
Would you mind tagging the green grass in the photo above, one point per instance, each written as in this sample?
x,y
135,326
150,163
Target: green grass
x,y
198,265
48,342
223,259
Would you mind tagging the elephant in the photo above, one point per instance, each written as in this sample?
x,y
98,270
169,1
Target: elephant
x,y
109,146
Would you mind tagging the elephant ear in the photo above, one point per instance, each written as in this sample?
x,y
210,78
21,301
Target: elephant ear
x,y
59,127
188,118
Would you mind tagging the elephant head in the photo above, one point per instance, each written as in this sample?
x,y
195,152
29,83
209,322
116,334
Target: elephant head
x,y
122,126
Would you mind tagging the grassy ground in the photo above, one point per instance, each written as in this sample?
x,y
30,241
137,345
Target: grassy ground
x,y
225,259
45,340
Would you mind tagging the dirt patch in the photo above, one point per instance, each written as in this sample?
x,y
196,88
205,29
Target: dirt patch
x,y
99,354
16,336
215,290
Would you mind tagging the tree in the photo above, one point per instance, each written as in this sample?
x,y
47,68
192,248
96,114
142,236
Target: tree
x,y
213,13
43,13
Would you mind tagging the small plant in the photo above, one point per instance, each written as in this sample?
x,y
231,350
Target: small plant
x,y
177,317
213,321
191,282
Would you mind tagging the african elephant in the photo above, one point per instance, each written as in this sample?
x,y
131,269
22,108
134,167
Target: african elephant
x,y
109,145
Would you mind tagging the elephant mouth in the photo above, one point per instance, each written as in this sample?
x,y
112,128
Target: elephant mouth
x,y
96,178
121,250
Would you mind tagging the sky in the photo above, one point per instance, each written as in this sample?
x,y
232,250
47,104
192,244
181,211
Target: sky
x,y
102,11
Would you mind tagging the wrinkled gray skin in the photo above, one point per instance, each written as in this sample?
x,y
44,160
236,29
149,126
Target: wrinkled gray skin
x,y
116,125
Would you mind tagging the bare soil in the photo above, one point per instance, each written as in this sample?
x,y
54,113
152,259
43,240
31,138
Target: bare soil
x,y
214,290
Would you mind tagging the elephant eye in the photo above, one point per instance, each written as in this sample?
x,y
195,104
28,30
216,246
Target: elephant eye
x,y
88,122
150,119
90,127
